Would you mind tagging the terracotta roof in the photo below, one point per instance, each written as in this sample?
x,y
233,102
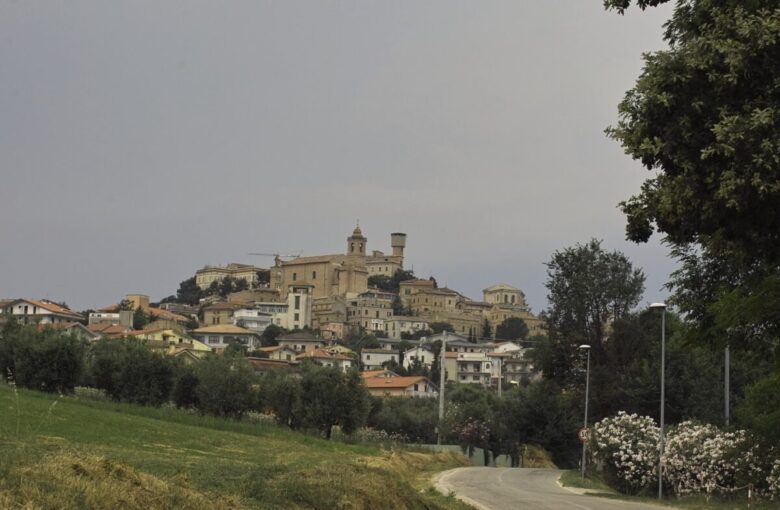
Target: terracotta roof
x,y
270,363
47,305
394,382
275,348
111,330
323,354
369,374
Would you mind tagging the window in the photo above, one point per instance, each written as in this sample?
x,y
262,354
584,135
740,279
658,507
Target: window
x,y
295,276
297,303
368,357
314,275
297,317
416,387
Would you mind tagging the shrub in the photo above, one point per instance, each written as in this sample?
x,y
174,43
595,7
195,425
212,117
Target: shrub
x,y
185,387
628,446
702,458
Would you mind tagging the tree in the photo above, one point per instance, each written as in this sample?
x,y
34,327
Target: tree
x,y
225,386
140,318
189,293
438,327
128,371
330,397
390,284
588,288
263,277
486,330
513,328
703,117
44,360
270,334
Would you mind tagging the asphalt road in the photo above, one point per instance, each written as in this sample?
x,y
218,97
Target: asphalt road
x,y
521,489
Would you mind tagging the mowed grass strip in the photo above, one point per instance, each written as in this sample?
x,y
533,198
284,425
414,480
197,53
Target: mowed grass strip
x,y
69,454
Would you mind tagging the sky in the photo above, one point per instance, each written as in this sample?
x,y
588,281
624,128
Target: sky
x,y
140,141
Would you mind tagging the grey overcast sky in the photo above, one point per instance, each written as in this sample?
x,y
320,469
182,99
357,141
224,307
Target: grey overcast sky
x,y
142,140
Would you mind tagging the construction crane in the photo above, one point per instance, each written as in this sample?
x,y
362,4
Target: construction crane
x,y
277,257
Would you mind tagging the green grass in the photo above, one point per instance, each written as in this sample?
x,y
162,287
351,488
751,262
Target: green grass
x,y
572,478
68,453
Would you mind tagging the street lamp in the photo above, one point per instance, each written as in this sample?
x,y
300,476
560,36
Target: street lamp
x,y
662,307
587,388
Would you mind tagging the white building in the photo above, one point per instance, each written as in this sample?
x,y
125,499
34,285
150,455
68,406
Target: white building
x,y
376,358
422,354
326,358
398,324
219,336
252,319
32,311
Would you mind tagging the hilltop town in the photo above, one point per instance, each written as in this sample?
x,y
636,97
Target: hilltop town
x,y
356,309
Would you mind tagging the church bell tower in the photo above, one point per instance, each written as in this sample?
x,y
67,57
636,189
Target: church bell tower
x,y
356,243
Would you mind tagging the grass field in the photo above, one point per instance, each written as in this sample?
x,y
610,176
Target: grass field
x,y
66,453
572,478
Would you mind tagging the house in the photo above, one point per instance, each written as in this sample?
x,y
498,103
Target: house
x,y
325,358
422,354
76,329
301,341
377,358
160,317
122,318
396,345
169,338
219,336
397,325
33,311
279,352
368,374
252,319
209,274
414,386
264,365
109,330
219,313
474,368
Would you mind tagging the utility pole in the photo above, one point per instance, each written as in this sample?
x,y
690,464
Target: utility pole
x,y
441,385
727,380
500,376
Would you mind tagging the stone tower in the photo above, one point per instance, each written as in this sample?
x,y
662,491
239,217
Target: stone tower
x,y
398,243
356,243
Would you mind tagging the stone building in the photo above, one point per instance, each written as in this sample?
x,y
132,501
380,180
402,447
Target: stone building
x,y
204,277
340,274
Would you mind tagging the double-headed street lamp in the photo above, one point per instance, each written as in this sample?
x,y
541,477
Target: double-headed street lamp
x,y
587,388
662,307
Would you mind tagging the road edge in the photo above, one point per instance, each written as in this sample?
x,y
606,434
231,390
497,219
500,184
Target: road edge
x,y
441,484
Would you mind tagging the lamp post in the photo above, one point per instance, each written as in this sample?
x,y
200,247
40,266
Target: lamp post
x,y
587,389
442,377
662,307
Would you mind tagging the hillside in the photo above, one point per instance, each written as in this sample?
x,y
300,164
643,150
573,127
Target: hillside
x,y
67,453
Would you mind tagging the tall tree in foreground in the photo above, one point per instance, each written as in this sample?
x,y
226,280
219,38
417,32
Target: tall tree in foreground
x,y
588,289
704,118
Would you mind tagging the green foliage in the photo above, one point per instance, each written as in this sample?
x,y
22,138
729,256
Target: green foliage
x,y
225,386
270,334
263,277
330,397
588,287
189,293
42,359
439,327
414,418
760,410
513,328
140,319
184,388
390,284
487,332
281,395
128,371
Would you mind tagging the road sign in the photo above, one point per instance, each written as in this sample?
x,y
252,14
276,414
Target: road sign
x,y
582,434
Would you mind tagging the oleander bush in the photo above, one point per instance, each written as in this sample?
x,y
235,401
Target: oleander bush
x,y
698,458
627,445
